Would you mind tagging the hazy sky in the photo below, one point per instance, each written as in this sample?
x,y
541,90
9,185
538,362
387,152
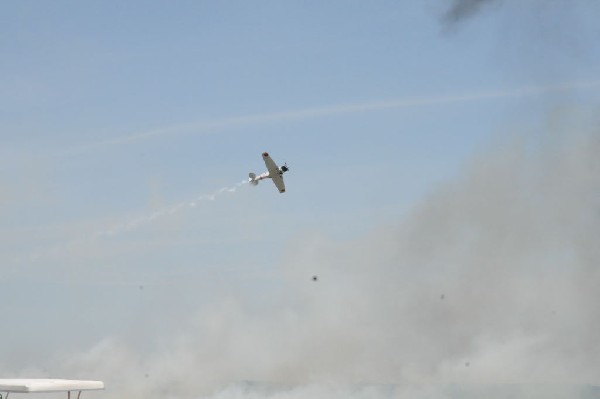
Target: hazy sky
x,y
444,185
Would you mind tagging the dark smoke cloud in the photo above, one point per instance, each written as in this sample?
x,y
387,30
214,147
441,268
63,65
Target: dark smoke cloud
x,y
463,9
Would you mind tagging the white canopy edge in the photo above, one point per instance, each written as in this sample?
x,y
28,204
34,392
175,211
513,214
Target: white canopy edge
x,y
48,385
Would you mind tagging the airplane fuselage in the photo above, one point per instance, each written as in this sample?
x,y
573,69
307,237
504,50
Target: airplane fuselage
x,y
264,175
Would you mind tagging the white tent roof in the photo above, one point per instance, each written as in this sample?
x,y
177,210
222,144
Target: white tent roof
x,y
48,385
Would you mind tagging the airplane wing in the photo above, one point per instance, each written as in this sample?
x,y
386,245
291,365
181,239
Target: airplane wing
x,y
48,385
271,165
274,172
278,180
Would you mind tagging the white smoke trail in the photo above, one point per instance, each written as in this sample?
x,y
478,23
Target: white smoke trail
x,y
130,224
137,222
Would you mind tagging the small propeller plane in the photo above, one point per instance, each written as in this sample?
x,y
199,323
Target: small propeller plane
x,y
273,172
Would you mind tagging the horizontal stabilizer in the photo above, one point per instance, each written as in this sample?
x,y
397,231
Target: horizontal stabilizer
x,y
252,179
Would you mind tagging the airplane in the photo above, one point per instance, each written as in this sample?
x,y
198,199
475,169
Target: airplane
x,y
22,385
273,172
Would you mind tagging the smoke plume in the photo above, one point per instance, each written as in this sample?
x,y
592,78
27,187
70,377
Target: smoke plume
x,y
492,279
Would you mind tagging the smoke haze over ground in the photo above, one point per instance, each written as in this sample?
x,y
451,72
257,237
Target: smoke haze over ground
x,y
491,279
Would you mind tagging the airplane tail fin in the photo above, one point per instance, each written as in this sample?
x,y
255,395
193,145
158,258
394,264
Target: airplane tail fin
x,y
252,179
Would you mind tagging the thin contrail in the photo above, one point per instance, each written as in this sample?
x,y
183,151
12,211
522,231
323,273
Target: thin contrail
x,y
312,113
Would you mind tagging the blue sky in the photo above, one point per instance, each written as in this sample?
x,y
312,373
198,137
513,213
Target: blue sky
x,y
112,112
